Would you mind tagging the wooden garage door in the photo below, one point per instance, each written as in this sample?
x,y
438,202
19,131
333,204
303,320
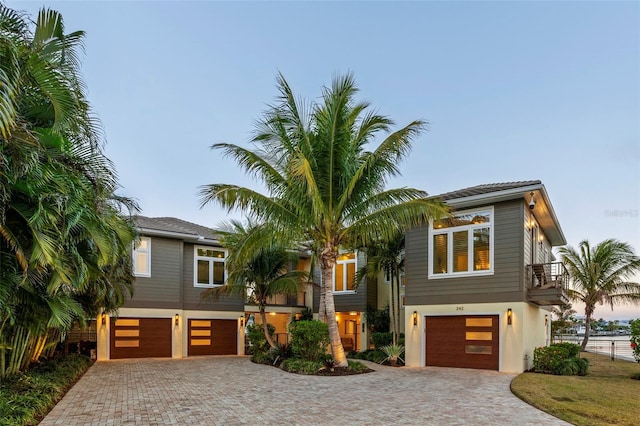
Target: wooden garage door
x,y
463,341
140,338
213,337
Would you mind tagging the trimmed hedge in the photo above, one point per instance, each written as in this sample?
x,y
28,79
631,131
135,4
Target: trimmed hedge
x,y
560,359
309,339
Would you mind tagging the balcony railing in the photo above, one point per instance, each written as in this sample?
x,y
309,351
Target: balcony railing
x,y
548,283
296,300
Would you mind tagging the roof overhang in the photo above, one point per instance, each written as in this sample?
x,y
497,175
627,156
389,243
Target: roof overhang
x,y
543,210
178,235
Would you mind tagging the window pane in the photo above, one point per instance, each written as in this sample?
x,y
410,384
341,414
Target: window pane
x,y
463,220
218,272
479,322
351,276
141,263
460,251
203,272
346,256
210,253
143,244
440,254
476,349
339,278
479,335
481,249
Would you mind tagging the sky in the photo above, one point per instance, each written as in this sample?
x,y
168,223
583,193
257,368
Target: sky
x,y
511,90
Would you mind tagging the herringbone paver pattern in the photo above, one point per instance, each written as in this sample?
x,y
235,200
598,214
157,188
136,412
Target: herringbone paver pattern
x,y
234,391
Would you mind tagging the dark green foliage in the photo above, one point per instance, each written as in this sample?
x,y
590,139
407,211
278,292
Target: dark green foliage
x,y
309,339
26,397
635,338
381,339
281,352
255,333
378,319
358,367
301,366
560,359
305,315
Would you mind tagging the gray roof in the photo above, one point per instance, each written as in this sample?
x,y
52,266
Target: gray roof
x,y
486,189
172,225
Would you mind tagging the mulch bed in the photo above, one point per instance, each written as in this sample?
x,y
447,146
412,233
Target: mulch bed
x,y
341,371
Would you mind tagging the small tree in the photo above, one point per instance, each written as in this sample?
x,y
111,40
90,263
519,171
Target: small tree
x,y
309,339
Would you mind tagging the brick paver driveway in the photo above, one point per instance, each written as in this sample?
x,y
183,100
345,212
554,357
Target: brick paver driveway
x,y
232,391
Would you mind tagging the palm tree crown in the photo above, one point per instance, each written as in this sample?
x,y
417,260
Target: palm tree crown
x,y
600,275
324,185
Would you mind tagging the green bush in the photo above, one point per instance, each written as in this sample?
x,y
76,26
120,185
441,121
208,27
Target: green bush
x,y
381,339
560,359
27,396
375,355
301,366
309,339
259,343
358,367
635,338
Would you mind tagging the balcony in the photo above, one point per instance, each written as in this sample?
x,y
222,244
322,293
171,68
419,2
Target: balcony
x,y
547,284
293,300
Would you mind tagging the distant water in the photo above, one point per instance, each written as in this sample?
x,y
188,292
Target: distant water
x,y
620,349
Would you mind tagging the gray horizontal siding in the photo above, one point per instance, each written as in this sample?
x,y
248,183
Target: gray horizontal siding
x,y
192,295
504,285
163,288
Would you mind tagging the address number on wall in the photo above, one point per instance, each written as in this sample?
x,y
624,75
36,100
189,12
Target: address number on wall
x,y
459,308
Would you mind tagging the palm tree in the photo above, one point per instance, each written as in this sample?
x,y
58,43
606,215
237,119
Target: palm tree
x,y
387,257
262,273
601,275
63,238
324,185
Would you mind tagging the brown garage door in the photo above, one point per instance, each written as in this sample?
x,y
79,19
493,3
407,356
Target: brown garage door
x,y
213,337
463,341
140,338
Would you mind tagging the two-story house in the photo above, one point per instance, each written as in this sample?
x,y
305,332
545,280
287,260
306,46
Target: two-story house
x,y
174,262
480,283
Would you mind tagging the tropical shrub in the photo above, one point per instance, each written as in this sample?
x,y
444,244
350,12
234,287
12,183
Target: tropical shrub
x,y
374,355
560,359
393,353
301,366
381,339
259,344
309,339
26,397
635,338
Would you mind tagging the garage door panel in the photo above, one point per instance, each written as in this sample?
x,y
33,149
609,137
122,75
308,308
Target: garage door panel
x,y
140,338
213,337
470,341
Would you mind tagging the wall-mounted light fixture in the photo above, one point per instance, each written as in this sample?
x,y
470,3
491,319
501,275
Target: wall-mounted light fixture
x,y
415,317
242,321
546,320
509,316
363,327
104,318
177,319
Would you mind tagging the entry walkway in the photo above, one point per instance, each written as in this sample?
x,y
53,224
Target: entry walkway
x,y
234,391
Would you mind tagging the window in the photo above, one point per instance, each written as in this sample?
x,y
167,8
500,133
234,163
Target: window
x,y
209,267
344,273
462,245
142,257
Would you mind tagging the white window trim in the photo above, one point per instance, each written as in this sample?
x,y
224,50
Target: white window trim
x,y
355,262
213,259
449,232
134,257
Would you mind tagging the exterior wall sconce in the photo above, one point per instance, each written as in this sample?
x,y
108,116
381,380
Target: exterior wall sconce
x,y
546,320
104,318
177,320
242,321
509,316
363,327
415,318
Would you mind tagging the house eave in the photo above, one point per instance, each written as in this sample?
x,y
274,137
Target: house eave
x,y
200,239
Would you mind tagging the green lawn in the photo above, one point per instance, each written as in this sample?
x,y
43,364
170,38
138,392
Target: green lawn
x,y
606,396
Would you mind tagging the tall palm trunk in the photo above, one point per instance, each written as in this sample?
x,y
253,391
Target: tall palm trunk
x,y
327,262
265,327
587,326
